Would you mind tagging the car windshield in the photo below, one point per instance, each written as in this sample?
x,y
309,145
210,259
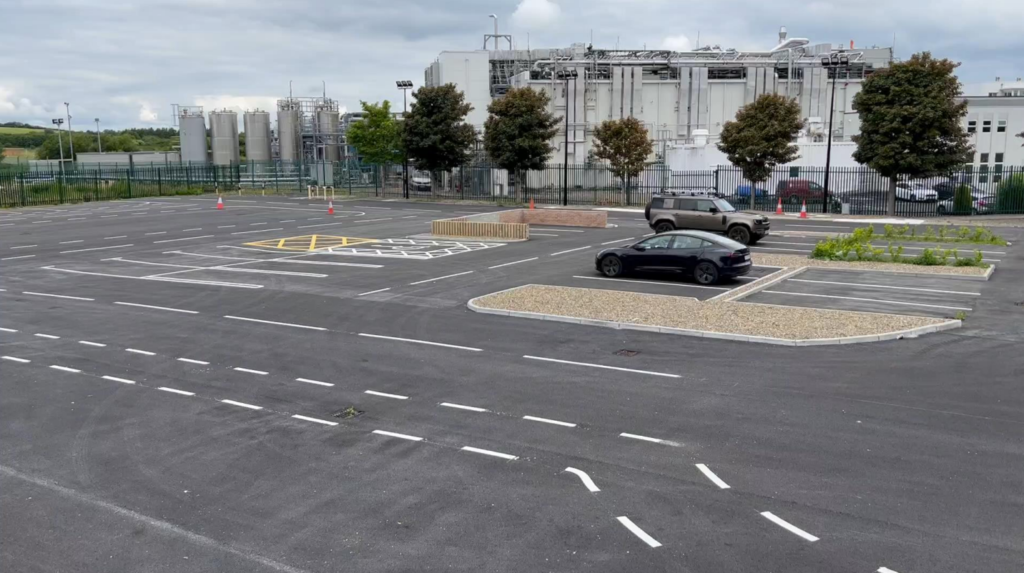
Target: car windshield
x,y
724,206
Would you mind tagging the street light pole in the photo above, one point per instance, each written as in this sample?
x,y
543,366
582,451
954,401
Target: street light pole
x,y
835,62
405,86
60,145
99,145
71,143
566,74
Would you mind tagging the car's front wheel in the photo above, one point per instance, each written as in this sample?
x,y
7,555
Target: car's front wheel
x,y
611,266
794,199
740,234
664,227
706,273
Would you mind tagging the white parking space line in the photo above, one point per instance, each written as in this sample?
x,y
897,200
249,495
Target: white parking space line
x,y
224,226
287,221
648,282
16,359
881,301
192,361
47,336
558,230
532,234
587,482
415,341
782,249
817,226
66,369
242,405
90,343
121,380
569,251
462,407
550,421
137,351
97,249
71,242
255,231
7,330
316,382
254,224
319,225
176,391
618,240
157,233
195,229
513,263
57,296
108,216
317,420
440,278
250,371
616,368
885,570
373,291
711,476
18,257
397,435
46,221
24,246
386,395
638,532
117,237
184,239
489,453
181,310
887,286
648,439
275,323
788,526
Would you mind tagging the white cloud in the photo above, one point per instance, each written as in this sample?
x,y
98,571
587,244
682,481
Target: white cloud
x,y
678,43
147,115
536,13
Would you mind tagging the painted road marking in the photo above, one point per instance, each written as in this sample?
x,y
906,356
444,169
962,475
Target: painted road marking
x,y
96,344
489,453
192,361
66,369
440,278
648,282
16,359
532,234
182,239
570,251
386,395
18,257
461,407
224,226
898,302
888,287
275,322
7,330
121,380
157,307
317,420
137,351
374,291
57,296
317,382
413,340
242,405
319,225
96,249
255,231
885,570
46,221
195,229
396,435
638,532
260,372
788,526
648,439
589,483
619,240
71,242
559,230
513,263
263,223
711,476
49,336
117,237
157,233
549,421
176,391
601,366
24,247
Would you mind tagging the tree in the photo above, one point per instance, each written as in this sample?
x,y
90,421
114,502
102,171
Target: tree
x,y
911,121
963,203
624,144
518,132
1,153
378,136
759,138
435,133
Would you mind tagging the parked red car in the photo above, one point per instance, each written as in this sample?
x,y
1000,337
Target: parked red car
x,y
797,191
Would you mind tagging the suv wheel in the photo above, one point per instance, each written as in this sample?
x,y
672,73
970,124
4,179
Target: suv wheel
x,y
740,234
664,227
611,266
706,273
794,199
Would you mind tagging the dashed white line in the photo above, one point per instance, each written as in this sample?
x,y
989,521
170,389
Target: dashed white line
x,y
314,218
184,239
116,379
461,407
225,226
76,219
532,234
373,291
7,330
638,532
559,230
601,366
195,229
97,249
788,526
318,225
193,361
570,251
137,351
397,435
549,421
66,369
108,216
242,405
413,340
49,336
16,359
46,221
885,570
386,395
71,242
317,420
371,220
176,391
57,295
90,343
117,237
287,221
24,247
711,476
887,286
489,453
440,278
255,231
513,263
260,372
275,322
157,233
647,438
252,224
619,240
18,257
317,382
589,483
182,310
882,301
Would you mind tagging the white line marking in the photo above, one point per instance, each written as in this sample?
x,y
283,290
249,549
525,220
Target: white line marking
x,y
108,216
549,421
570,251
318,225
66,369
121,380
619,240
18,257
647,439
117,237
26,246
815,226
461,407
513,263
559,230
242,404
50,336
224,226
157,307
182,239
57,295
901,303
374,291
386,395
648,282
421,342
601,366
16,359
96,249
439,278
396,435
263,223
711,476
788,526
781,249
408,216
888,287
46,221
157,233
532,234
195,229
76,219
372,220
192,361
96,344
885,570
369,207
317,420
260,372
255,231
287,221
155,278
137,351
489,453
7,330
589,483
638,532
71,242
176,391
275,323
317,382
314,218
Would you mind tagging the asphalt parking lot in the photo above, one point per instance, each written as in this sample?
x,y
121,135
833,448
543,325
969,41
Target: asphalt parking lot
x,y
187,389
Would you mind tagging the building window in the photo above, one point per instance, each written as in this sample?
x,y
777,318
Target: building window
x,y
1001,126
972,126
984,158
999,158
997,176
986,126
983,174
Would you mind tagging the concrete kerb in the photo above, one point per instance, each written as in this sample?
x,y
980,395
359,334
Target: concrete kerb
x,y
757,286
897,335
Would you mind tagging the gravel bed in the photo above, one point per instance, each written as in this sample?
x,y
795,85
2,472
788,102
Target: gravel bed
x,y
792,323
793,261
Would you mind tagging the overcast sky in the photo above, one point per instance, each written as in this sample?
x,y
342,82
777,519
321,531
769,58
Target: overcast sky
x,y
127,61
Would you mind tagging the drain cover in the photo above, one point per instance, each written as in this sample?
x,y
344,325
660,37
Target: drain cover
x,y
625,352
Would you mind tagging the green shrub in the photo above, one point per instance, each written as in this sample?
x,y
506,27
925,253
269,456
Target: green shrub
x,y
926,258
1010,195
963,203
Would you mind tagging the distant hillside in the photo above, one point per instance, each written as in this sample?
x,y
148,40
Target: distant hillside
x,y
8,130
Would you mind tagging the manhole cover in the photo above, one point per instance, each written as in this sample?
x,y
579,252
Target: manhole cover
x,y
350,412
625,352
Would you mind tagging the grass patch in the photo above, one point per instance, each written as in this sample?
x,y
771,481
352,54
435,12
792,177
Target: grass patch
x,y
857,247
20,130
978,235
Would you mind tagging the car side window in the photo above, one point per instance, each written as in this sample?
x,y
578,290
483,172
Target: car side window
x,y
659,242
705,205
686,204
657,203
684,242
815,187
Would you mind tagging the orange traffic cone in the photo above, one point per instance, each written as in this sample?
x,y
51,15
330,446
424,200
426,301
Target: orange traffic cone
x,y
803,210
220,203
531,202
330,207
778,209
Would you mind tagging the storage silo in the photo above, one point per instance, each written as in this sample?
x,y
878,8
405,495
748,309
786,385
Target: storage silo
x,y
288,135
224,137
192,135
257,135
327,125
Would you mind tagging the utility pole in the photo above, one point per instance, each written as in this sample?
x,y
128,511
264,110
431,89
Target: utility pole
x,y
71,143
60,145
99,145
405,86
566,75
834,63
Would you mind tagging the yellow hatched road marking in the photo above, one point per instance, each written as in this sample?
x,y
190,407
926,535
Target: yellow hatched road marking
x,y
310,242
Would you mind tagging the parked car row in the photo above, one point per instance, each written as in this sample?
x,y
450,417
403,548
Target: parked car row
x,y
797,190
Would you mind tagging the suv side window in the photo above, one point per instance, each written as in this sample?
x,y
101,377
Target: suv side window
x,y
657,203
704,205
686,204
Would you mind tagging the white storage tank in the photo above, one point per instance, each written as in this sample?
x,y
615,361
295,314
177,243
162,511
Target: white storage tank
x,y
224,137
288,134
257,135
327,125
192,135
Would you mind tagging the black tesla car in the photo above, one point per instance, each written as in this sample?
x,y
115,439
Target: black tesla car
x,y
705,256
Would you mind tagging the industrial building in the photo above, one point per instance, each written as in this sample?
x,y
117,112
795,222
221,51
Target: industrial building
x,y
993,122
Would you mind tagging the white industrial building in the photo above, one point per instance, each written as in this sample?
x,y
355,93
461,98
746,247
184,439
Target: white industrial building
x,y
993,122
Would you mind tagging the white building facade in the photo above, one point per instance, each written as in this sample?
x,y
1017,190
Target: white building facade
x,y
993,122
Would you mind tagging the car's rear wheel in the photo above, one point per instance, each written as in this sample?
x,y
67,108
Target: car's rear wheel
x,y
611,266
664,227
794,199
706,273
940,209
740,234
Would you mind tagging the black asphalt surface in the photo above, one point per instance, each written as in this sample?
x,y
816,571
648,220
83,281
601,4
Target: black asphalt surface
x,y
905,455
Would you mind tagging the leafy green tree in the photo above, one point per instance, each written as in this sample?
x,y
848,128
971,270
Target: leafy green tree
x,y
518,132
435,132
625,145
760,137
1010,195
911,125
378,136
962,200
1,153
